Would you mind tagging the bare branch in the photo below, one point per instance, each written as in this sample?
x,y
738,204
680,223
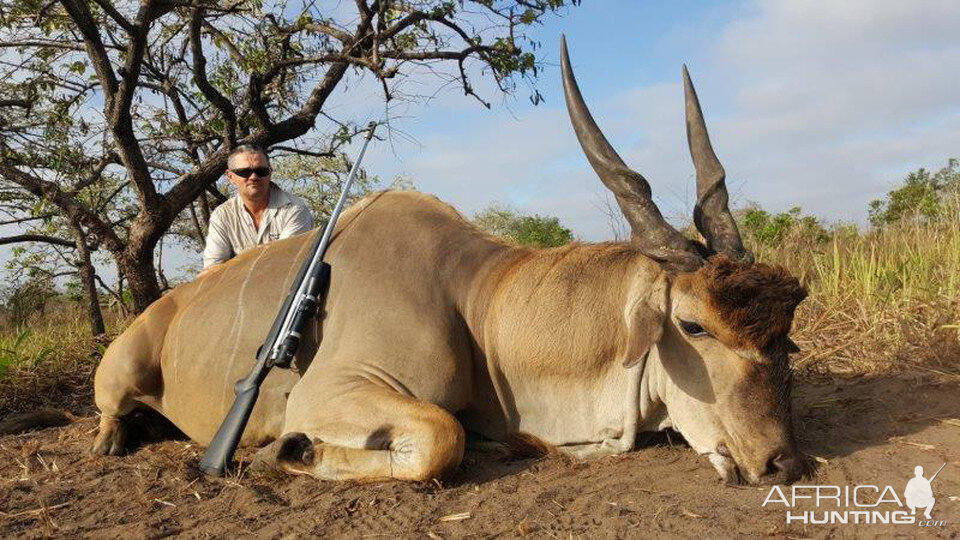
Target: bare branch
x,y
235,53
217,195
97,171
36,238
118,112
303,152
336,33
26,219
53,44
65,201
200,78
80,14
22,103
115,15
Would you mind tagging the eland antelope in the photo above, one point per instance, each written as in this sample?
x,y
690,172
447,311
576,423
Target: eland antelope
x,y
432,327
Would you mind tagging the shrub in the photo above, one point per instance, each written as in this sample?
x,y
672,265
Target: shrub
x,y
772,229
536,230
30,297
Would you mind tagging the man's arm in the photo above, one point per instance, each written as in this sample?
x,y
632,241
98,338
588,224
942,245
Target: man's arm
x,y
299,220
217,249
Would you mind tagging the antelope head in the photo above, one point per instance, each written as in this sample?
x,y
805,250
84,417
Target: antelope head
x,y
721,332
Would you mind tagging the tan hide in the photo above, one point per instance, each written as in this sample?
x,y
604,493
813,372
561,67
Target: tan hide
x,y
426,317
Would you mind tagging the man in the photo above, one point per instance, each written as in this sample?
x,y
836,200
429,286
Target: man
x,y
918,492
259,213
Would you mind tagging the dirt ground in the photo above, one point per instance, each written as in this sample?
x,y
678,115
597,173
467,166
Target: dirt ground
x,y
868,430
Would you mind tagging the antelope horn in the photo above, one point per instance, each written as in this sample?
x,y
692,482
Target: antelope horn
x,y
711,214
655,237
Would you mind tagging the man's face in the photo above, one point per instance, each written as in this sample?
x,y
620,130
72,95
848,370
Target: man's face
x,y
250,173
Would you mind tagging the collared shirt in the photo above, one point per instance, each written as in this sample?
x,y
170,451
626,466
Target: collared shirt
x,y
231,230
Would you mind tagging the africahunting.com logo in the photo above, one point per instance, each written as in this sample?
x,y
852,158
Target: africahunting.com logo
x,y
866,504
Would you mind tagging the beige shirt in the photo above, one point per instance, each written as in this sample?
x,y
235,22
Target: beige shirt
x,y
231,230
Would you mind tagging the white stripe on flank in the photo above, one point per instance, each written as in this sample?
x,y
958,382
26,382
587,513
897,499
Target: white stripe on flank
x,y
238,324
180,313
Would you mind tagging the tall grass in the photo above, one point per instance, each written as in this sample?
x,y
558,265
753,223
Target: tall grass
x,y
885,299
50,360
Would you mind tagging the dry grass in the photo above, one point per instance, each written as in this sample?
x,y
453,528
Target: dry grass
x,y
50,361
879,301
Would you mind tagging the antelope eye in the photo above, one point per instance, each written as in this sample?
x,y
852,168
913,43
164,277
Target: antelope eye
x,y
692,329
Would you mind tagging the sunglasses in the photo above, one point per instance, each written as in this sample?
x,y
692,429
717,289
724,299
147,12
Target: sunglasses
x,y
262,172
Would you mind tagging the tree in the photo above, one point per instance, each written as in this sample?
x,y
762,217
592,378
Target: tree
x,y
920,197
319,181
62,252
154,94
536,230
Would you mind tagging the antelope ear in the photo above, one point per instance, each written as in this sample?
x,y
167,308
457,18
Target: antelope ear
x,y
646,316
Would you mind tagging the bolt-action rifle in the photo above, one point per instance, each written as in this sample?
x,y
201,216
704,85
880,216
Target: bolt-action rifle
x,y
283,340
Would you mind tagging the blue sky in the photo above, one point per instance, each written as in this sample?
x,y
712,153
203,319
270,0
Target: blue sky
x,y
820,103
825,105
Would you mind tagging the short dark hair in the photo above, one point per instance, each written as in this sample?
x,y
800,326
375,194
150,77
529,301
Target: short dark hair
x,y
247,149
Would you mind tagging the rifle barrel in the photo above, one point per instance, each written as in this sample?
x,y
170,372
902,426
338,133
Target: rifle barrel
x,y
321,248
283,340
938,472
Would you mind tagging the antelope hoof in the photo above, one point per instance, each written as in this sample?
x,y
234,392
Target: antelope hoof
x,y
291,452
110,439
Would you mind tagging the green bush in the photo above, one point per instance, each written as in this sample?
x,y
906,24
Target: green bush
x,y
536,230
22,300
773,229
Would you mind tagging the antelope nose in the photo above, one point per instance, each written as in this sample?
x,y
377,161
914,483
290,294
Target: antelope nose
x,y
787,463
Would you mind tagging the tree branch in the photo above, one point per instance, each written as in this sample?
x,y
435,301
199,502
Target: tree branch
x,y
235,53
53,44
115,15
200,78
336,33
26,219
37,238
65,201
118,112
97,171
293,150
22,103
80,14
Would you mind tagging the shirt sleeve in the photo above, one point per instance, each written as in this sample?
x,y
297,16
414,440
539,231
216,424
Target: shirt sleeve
x,y
217,249
297,222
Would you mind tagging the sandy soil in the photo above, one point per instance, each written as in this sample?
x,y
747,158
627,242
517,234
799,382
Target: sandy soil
x,y
861,431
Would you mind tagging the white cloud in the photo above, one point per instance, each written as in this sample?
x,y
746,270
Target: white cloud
x,y
833,101
821,104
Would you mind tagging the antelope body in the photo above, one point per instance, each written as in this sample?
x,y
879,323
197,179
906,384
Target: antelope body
x,y
431,327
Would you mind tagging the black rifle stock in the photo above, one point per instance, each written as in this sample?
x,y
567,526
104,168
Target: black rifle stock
x,y
283,340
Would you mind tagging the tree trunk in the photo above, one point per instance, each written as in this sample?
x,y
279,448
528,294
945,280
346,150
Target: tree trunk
x,y
146,230
86,271
120,279
205,209
141,279
199,229
164,284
